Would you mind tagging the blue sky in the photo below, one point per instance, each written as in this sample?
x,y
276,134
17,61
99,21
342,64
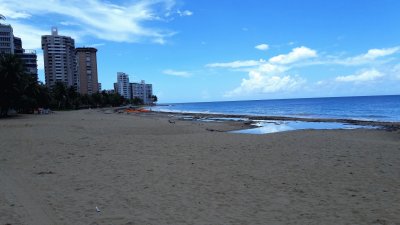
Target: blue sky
x,y
210,50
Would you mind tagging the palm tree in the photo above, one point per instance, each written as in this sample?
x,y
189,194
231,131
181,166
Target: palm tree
x,y
60,94
154,98
30,95
11,82
43,97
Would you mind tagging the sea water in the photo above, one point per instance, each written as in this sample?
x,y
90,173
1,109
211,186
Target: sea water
x,y
370,108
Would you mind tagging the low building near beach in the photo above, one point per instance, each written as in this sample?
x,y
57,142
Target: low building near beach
x,y
143,91
133,90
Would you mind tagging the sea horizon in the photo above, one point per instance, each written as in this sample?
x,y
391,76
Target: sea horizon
x,y
272,99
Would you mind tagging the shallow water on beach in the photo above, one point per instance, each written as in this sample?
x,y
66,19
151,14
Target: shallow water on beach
x,y
272,126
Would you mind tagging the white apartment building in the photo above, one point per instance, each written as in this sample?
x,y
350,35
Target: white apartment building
x,y
59,59
6,39
9,44
124,89
143,91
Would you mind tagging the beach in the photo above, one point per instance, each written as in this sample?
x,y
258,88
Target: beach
x,y
101,167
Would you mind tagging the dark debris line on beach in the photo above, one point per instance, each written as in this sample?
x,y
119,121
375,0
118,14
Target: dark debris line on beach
x,y
389,126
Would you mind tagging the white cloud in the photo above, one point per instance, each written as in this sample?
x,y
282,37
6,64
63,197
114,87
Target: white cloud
x,y
184,13
236,64
31,36
262,47
13,14
368,75
67,23
272,69
258,82
274,76
375,53
366,58
176,73
97,45
267,78
396,71
295,55
121,23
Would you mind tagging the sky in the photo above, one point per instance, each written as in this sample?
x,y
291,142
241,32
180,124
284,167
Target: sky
x,y
226,50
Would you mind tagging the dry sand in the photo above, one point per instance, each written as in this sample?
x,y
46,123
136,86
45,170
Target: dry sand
x,y
56,169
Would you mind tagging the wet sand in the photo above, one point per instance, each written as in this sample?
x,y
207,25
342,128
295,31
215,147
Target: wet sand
x,y
154,169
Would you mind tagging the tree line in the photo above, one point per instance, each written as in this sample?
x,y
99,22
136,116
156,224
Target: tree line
x,y
23,92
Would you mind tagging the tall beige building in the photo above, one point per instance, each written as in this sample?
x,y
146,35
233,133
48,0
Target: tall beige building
x,y
87,70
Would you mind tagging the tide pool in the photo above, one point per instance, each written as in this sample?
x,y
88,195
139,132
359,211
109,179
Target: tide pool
x,y
271,126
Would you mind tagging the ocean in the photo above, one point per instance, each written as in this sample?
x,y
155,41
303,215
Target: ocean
x,y
370,108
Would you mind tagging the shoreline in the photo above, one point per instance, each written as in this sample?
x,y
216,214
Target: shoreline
x,y
391,126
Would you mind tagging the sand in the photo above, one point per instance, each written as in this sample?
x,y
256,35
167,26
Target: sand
x,y
153,169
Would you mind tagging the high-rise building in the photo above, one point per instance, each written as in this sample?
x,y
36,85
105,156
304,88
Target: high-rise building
x,y
9,44
143,91
123,85
18,45
115,87
87,79
6,39
28,57
59,59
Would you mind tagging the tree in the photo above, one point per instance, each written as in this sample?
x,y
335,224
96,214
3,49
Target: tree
x,y
154,98
43,97
11,82
137,101
86,100
116,99
97,99
73,100
59,95
29,99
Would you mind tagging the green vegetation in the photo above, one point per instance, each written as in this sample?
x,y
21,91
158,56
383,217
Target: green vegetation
x,y
24,93
137,101
18,90
154,97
